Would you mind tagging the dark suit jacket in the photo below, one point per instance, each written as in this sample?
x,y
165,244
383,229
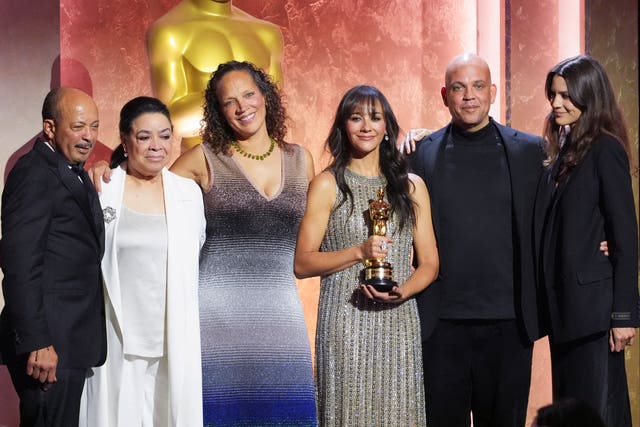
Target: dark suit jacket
x,y
588,292
52,243
524,157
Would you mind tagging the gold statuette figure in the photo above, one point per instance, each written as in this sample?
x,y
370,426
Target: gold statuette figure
x,y
379,273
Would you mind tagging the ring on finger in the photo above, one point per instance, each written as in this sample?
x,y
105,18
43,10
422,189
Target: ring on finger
x,y
383,245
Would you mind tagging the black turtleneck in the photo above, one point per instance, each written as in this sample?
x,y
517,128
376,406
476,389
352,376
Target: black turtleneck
x,y
475,227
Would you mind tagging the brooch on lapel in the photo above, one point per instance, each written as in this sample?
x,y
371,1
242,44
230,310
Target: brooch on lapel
x,y
109,214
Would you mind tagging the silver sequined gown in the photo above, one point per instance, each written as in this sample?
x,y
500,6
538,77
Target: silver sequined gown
x,y
368,355
256,360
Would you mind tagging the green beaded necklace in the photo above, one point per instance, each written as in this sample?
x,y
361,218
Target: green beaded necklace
x,y
240,151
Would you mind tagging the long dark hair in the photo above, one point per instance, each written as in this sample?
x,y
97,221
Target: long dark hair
x,y
392,164
128,114
215,130
591,92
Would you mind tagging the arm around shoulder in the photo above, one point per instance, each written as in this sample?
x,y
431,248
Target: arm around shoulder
x,y
192,164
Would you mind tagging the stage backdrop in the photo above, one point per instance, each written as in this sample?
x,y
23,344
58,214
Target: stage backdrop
x,y
401,46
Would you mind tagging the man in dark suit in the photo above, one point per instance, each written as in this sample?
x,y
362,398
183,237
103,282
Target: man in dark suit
x,y
52,326
479,319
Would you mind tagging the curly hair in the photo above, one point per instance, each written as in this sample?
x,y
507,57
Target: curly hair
x,y
392,163
215,130
591,92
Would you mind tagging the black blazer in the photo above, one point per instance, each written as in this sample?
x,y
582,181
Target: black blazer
x,y
52,244
588,292
524,157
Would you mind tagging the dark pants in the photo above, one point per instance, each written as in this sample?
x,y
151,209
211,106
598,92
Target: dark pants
x,y
585,369
481,367
57,406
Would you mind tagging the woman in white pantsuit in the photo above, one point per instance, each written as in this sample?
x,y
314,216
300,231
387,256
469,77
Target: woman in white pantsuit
x,y
154,228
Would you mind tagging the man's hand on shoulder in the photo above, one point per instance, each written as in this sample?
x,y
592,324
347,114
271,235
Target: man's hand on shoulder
x,y
42,364
98,173
407,145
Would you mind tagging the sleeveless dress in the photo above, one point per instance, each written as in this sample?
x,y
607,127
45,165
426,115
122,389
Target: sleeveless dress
x,y
368,354
256,360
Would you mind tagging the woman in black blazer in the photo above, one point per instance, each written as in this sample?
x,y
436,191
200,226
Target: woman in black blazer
x,y
585,197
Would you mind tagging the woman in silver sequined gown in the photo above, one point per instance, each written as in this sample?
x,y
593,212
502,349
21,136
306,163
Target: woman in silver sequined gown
x,y
368,355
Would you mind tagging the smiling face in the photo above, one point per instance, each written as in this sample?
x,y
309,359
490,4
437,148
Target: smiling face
x,y
468,92
243,105
74,131
366,127
564,111
148,145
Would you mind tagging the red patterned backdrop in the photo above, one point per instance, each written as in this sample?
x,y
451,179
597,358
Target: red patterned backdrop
x,y
401,46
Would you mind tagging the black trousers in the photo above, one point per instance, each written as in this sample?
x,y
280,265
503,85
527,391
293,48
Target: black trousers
x,y
57,406
587,370
479,367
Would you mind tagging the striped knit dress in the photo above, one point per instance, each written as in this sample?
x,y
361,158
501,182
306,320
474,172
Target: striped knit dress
x,y
256,361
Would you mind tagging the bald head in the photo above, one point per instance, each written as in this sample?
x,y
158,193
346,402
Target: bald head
x,y
466,59
70,122
51,104
468,91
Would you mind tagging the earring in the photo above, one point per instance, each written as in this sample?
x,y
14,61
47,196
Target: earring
x,y
386,137
126,155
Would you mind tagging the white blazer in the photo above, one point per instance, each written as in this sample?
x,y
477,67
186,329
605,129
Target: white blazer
x,y
101,406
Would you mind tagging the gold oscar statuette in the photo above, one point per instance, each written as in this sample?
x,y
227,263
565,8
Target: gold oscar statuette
x,y
378,272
